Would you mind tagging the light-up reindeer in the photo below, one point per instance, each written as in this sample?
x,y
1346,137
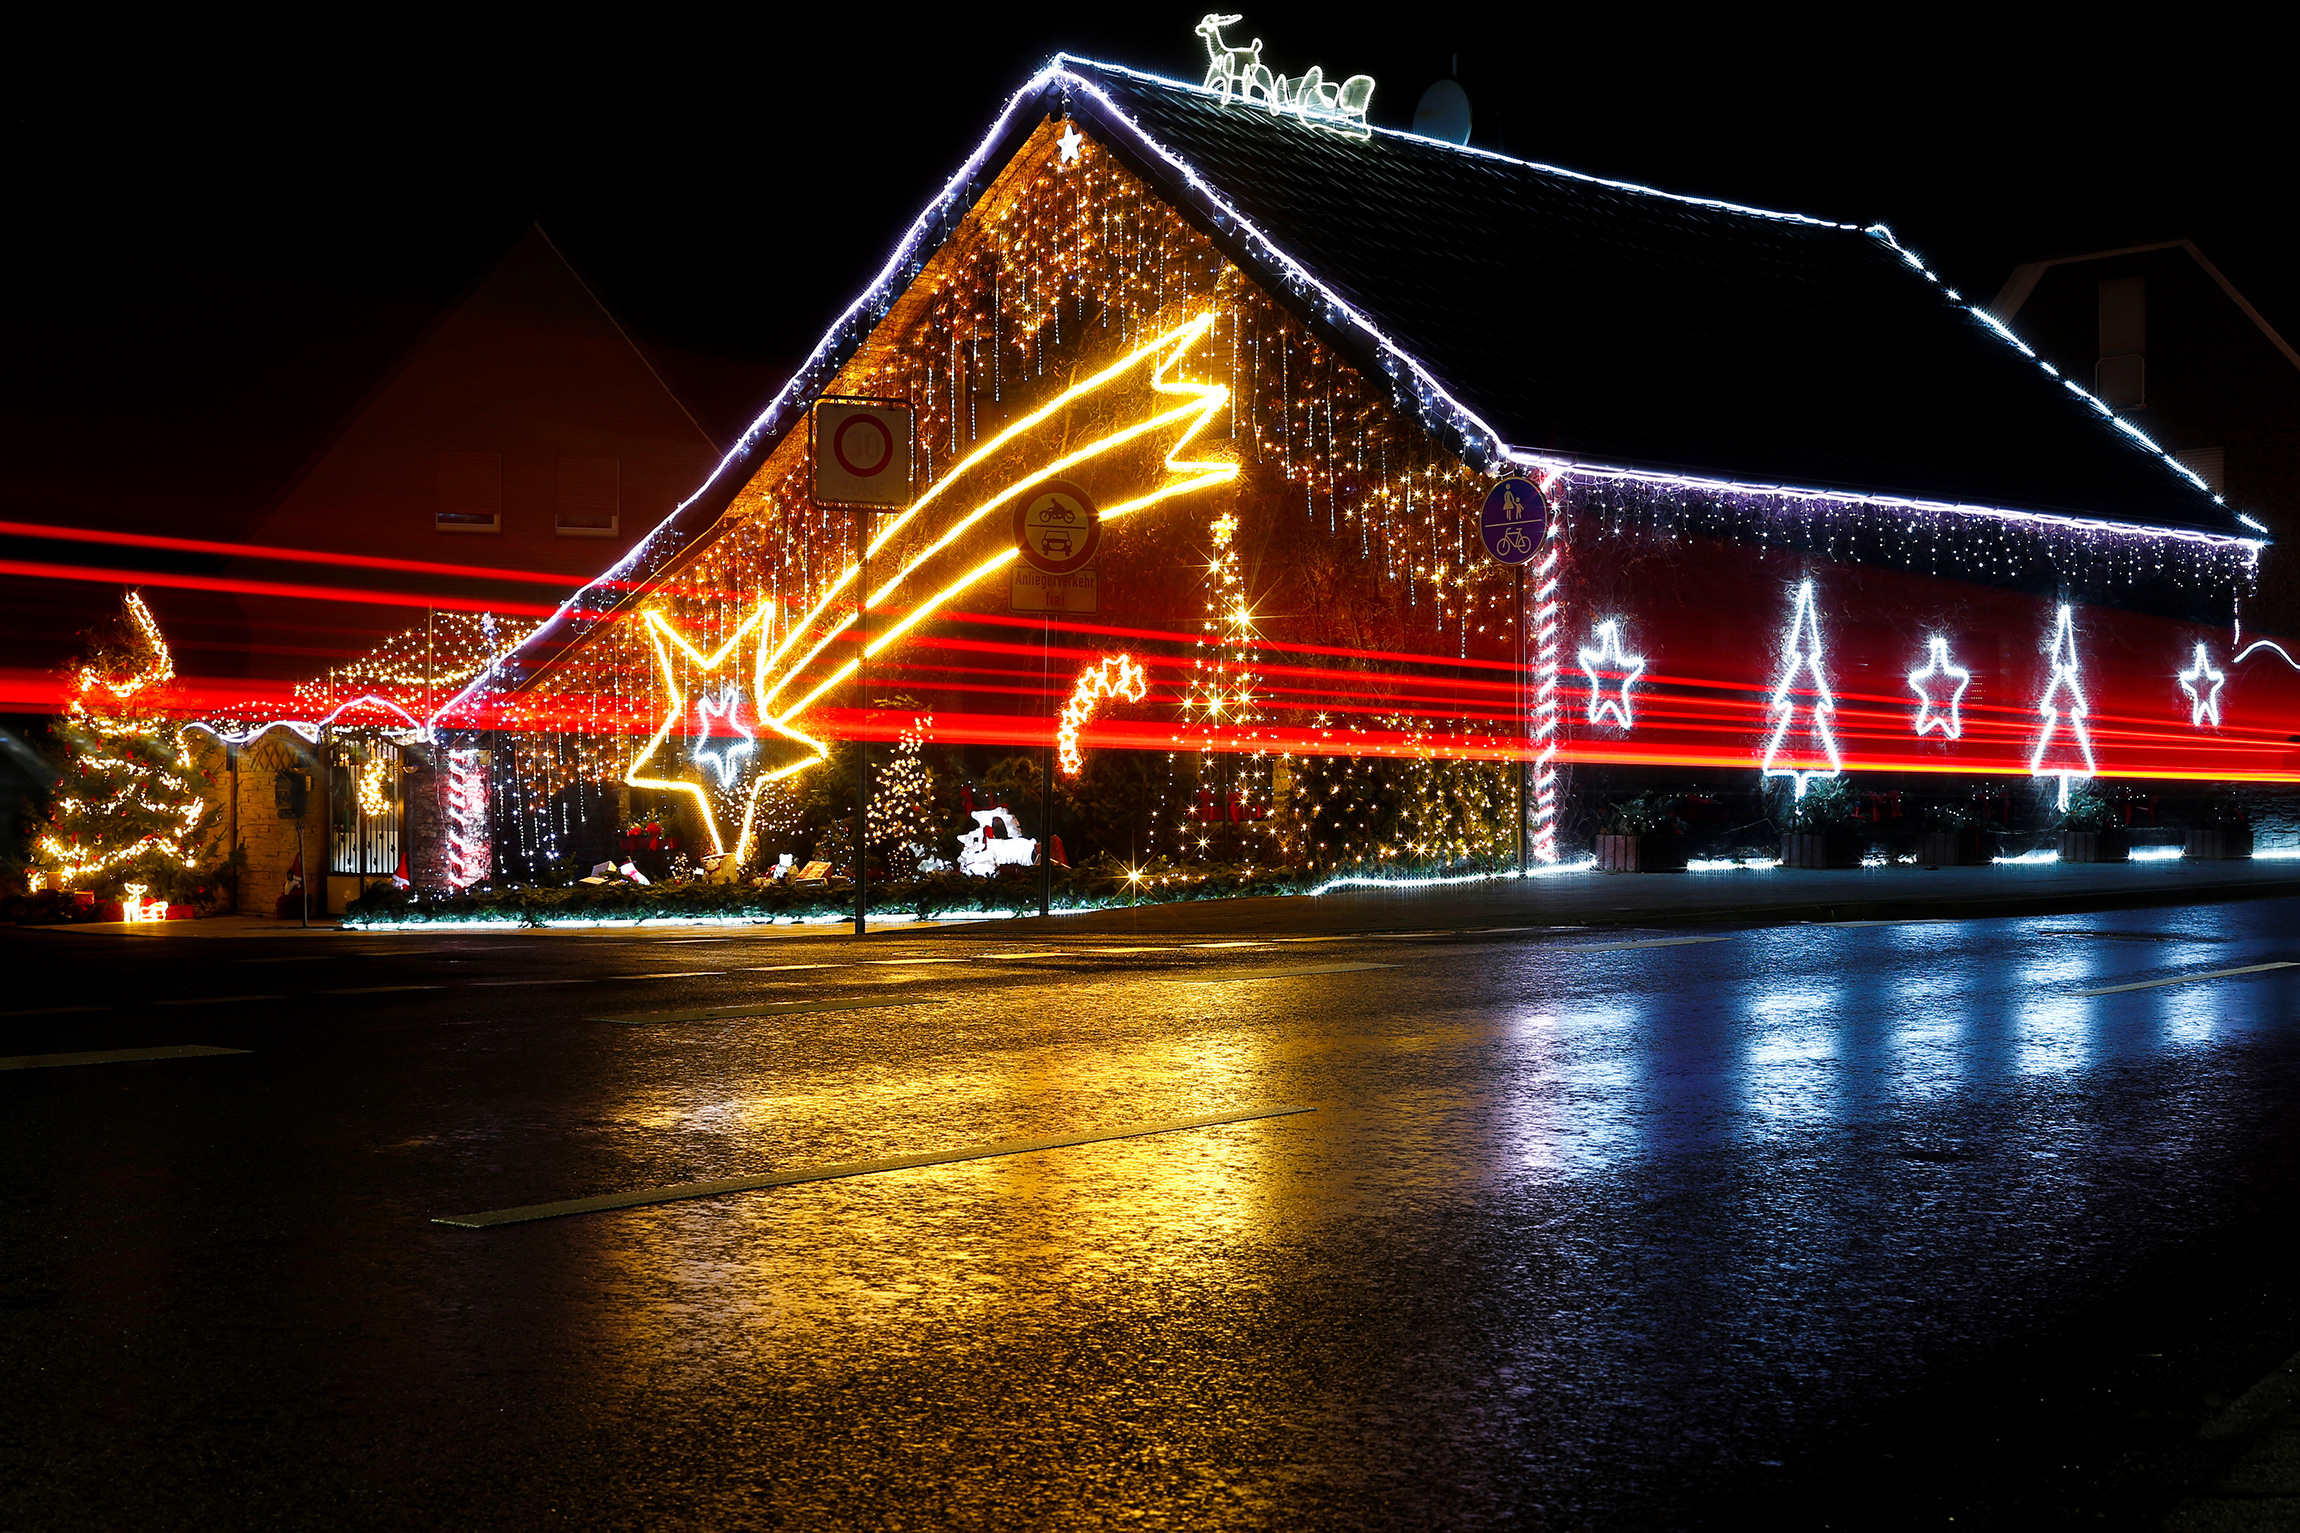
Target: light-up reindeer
x,y
1230,70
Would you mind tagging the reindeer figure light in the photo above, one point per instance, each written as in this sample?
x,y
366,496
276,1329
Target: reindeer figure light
x,y
1240,75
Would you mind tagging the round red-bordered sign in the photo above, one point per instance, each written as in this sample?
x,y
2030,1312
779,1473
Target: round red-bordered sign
x,y
869,425
1056,528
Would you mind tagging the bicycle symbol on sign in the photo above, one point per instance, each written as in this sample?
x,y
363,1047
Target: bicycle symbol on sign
x,y
1513,544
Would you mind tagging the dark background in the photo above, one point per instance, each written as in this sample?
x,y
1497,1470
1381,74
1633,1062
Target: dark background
x,y
222,240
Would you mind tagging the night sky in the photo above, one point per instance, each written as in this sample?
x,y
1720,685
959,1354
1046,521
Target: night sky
x,y
222,242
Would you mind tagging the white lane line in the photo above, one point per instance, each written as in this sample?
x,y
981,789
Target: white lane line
x,y
1105,951
1003,957
1622,947
765,1009
670,974
2186,979
50,1011
110,1056
379,989
849,1168
1905,921
889,963
784,968
489,982
218,1000
1245,974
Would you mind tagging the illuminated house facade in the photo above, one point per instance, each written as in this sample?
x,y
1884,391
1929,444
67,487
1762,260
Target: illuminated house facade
x,y
1803,512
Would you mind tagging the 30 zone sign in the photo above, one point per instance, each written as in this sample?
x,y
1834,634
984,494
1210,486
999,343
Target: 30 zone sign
x,y
862,453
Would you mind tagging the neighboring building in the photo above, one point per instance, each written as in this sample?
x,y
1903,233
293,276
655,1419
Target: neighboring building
x,y
525,432
2161,335
1798,512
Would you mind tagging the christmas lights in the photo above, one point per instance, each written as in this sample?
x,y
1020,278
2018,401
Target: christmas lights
x,y
716,751
1932,712
2202,684
1608,658
1801,651
467,847
1548,621
1113,676
2064,677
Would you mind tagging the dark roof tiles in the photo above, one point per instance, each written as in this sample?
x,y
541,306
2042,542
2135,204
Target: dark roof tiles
x,y
1632,328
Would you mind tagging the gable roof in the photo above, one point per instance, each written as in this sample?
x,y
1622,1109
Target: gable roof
x,y
2028,274
1530,314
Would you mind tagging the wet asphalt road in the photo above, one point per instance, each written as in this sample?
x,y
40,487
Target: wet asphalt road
x,y
1802,1226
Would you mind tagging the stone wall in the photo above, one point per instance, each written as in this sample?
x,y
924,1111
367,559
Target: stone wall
x,y
270,840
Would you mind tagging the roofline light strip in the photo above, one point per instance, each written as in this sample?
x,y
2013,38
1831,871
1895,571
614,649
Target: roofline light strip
x,y
1584,470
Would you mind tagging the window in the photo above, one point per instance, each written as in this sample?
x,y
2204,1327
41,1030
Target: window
x,y
590,497
470,492
2209,464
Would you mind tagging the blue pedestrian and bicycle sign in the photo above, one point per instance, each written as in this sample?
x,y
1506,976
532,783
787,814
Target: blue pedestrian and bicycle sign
x,y
1513,521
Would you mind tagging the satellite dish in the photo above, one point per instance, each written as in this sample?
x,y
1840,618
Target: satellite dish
x,y
1444,113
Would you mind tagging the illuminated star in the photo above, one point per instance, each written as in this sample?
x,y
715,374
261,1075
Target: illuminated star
x,y
1609,656
716,673
1932,713
1069,143
713,749
2203,701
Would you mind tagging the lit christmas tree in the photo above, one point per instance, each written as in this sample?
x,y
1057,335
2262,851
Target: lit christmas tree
x,y
2064,745
133,812
1221,696
1801,655
903,825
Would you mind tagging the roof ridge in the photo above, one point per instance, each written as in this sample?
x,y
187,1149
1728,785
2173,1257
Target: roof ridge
x,y
1717,204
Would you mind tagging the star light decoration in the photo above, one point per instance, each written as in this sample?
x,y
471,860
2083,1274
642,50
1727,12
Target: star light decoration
x,y
1932,712
722,752
1069,144
952,538
1609,656
2202,684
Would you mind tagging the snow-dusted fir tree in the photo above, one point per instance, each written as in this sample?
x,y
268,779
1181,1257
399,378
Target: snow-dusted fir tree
x,y
133,805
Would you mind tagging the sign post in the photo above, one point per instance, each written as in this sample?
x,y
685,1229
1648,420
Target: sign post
x,y
1511,523
862,460
1057,531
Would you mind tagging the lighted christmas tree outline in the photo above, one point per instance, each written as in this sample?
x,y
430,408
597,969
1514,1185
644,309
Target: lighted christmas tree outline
x,y
2065,667
2205,704
1930,714
133,802
1804,622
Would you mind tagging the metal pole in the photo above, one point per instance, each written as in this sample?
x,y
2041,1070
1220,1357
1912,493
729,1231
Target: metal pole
x,y
862,712
1525,725
303,885
1046,781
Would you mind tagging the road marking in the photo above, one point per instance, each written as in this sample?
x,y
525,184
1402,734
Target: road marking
x,y
1904,921
850,1168
1003,957
2187,979
110,1056
1618,947
1229,944
301,958
889,963
1104,951
763,1009
218,1000
671,974
379,989
1320,968
479,982
50,1011
781,968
